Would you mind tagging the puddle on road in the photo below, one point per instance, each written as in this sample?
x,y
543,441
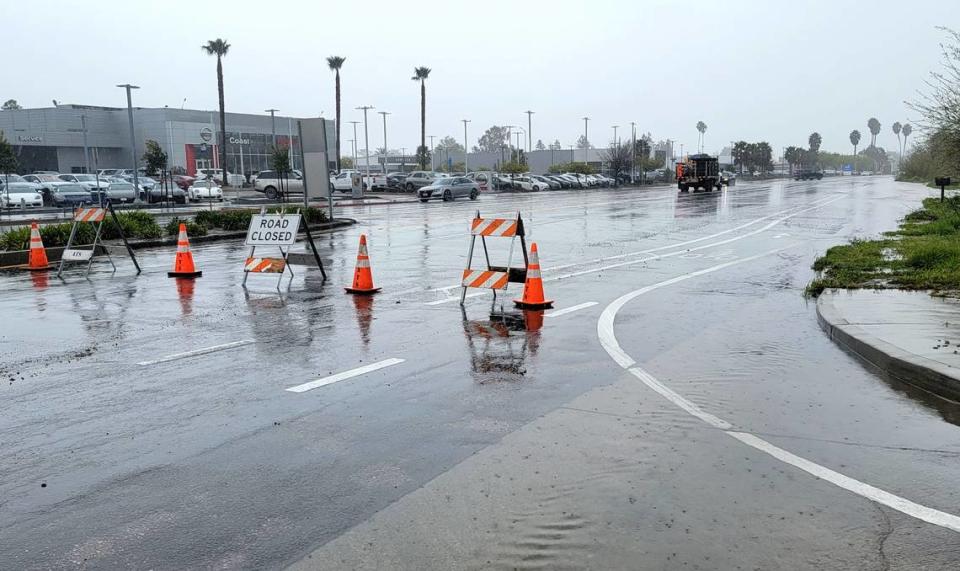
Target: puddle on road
x,y
499,345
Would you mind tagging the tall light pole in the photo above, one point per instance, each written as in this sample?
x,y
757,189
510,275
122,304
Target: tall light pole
x,y
86,149
465,169
586,139
366,137
385,148
633,150
529,130
432,137
355,123
133,140
615,143
273,124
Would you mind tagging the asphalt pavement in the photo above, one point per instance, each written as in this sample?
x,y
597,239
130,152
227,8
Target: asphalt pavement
x,y
679,408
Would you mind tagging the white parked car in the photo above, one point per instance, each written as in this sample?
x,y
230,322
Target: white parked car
x,y
21,195
217,176
344,183
528,183
87,180
204,190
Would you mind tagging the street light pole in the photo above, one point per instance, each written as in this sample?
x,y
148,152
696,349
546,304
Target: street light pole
x,y
385,148
366,139
133,140
432,137
633,150
465,169
586,139
355,165
86,149
615,127
273,125
529,130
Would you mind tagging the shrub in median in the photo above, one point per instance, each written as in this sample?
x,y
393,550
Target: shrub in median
x,y
193,229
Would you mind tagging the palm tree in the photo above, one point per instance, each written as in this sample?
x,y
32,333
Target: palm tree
x,y
854,140
896,131
874,127
219,48
335,63
814,140
421,74
907,129
702,128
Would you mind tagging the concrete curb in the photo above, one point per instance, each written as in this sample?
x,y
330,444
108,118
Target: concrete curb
x,y
913,369
12,260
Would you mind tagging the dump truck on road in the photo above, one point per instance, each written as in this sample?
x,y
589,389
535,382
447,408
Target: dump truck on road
x,y
699,171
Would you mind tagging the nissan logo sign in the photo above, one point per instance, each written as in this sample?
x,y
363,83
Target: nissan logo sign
x,y
206,134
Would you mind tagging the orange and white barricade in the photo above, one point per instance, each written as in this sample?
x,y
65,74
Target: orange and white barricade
x,y
94,215
495,278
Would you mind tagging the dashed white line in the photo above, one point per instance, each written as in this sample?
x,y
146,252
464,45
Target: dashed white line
x,y
196,352
345,375
566,310
609,342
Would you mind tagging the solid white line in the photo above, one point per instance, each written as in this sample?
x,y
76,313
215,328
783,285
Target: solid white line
x,y
609,342
344,375
921,512
196,352
566,310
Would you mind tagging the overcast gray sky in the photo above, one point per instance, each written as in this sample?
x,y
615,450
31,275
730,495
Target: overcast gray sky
x,y
750,69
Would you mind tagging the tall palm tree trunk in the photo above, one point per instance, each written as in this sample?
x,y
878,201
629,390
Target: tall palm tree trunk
x,y
423,123
338,120
223,123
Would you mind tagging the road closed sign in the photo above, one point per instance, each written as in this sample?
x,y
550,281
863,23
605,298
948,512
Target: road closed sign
x,y
273,230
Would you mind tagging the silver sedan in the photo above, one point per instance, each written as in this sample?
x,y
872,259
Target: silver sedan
x,y
449,188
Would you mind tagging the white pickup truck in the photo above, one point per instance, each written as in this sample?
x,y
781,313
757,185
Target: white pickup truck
x,y
343,183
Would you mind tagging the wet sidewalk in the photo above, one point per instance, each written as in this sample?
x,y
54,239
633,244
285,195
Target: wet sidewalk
x,y
910,335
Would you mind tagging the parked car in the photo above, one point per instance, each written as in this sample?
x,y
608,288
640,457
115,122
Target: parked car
x,y
205,190
15,178
217,176
419,179
21,195
47,184
807,174
109,172
551,184
527,183
70,194
269,183
183,181
173,193
396,179
117,191
560,181
449,188
92,182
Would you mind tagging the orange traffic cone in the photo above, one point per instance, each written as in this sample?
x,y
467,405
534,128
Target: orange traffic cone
x,y
533,287
362,276
38,255
183,264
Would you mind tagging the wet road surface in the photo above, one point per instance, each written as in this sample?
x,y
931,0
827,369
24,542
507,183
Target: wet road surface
x,y
149,422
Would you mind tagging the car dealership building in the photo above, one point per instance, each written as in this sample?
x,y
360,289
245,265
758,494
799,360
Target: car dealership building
x,y
55,138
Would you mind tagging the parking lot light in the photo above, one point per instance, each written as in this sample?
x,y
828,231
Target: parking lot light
x,y
133,140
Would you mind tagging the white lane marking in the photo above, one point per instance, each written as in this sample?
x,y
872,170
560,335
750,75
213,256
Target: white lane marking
x,y
345,375
921,512
566,310
196,352
609,342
